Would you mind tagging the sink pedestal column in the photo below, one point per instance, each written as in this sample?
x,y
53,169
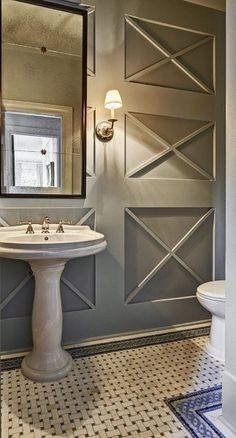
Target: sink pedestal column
x,y
47,361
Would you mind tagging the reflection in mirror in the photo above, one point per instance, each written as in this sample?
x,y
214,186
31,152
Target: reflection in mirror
x,y
32,160
43,99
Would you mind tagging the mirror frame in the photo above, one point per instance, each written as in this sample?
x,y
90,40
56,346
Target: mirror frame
x,y
73,9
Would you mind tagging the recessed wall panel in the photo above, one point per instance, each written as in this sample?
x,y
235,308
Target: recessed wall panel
x,y
169,147
173,57
177,254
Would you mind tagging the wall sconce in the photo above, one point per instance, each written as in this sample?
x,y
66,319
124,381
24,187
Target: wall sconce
x,y
105,129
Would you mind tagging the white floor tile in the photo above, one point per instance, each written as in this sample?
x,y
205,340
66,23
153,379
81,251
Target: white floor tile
x,y
114,394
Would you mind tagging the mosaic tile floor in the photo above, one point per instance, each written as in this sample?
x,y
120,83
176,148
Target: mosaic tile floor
x,y
116,394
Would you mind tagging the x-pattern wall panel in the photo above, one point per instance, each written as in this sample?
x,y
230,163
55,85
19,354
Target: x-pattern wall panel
x,y
78,278
171,57
169,252
169,147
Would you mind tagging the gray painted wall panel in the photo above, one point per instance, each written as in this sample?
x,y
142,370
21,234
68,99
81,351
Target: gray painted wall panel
x,y
95,290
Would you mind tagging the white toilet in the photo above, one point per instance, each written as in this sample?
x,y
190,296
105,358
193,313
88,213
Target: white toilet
x,y
211,295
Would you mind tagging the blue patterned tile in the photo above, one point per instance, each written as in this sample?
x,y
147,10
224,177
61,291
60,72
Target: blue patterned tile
x,y
190,410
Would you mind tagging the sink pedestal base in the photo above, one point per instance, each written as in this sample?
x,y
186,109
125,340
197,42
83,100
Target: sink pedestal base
x,y
47,361
46,376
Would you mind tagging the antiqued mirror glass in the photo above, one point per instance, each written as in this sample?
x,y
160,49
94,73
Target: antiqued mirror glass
x,y
43,134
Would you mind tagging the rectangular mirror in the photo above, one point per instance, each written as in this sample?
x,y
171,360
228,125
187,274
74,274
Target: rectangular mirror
x,y
44,87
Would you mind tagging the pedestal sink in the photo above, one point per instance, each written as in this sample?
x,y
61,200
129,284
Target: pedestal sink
x,y
47,255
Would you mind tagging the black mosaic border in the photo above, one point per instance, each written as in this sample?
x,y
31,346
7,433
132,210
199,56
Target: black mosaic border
x,y
109,347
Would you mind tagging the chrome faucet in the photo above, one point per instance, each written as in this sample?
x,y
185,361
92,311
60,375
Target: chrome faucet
x,y
45,225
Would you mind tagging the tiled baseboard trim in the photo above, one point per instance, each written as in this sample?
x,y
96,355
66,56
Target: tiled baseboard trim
x,y
91,350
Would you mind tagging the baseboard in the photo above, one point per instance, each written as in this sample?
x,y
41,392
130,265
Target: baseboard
x,y
118,344
119,337
228,417
226,428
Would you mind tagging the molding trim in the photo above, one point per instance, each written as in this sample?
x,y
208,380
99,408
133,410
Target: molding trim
x,y
3,223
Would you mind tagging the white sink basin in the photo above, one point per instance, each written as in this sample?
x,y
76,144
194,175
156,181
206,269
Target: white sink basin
x,y
47,255
76,241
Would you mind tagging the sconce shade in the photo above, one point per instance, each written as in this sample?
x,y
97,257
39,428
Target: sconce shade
x,y
113,100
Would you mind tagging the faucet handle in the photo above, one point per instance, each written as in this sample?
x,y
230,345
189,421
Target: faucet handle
x,y
60,228
29,229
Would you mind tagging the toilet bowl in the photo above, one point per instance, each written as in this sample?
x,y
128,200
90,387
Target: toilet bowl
x,y
211,295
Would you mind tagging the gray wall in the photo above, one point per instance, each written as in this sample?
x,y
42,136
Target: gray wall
x,y
229,378
156,191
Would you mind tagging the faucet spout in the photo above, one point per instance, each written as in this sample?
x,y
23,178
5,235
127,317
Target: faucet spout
x,y
45,225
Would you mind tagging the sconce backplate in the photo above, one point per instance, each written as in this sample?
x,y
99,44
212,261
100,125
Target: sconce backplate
x,y
104,131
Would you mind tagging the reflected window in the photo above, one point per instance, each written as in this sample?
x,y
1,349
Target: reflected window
x,y
35,161
33,149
